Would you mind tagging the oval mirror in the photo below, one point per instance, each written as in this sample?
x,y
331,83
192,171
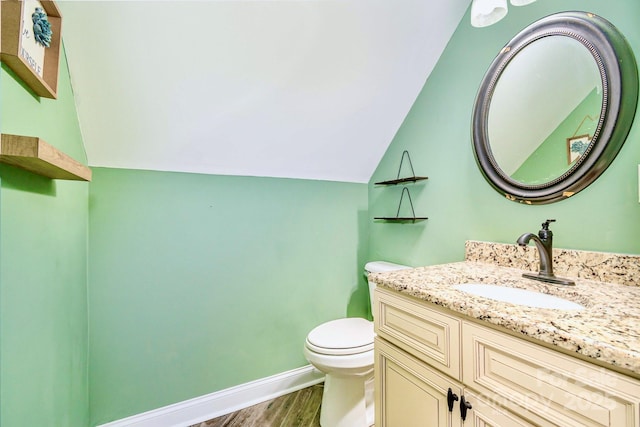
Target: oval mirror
x,y
555,107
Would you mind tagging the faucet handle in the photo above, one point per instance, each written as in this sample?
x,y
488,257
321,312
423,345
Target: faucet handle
x,y
545,225
544,233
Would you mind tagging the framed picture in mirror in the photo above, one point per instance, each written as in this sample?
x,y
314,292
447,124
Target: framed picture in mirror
x,y
576,146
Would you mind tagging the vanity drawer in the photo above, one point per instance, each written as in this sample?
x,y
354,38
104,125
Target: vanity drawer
x,y
545,386
427,333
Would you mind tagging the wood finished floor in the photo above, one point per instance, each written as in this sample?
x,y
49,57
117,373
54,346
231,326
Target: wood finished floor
x,y
299,409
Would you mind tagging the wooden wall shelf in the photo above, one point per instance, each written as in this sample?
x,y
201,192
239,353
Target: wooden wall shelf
x,y
35,155
36,65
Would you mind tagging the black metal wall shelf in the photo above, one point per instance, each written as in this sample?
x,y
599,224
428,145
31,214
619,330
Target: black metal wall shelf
x,y
399,218
402,180
398,180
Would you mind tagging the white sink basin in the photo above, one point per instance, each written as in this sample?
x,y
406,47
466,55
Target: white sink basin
x,y
518,296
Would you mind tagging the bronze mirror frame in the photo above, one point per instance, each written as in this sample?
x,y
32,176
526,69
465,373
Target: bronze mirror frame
x,y
618,71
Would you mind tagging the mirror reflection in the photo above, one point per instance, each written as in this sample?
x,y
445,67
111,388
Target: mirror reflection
x,y
544,110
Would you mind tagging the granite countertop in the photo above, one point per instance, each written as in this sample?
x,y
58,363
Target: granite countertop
x,y
606,331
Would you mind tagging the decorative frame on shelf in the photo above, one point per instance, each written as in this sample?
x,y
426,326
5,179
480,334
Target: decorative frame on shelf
x,y
22,43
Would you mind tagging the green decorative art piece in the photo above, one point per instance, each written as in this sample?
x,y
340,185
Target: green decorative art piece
x,y
578,147
41,27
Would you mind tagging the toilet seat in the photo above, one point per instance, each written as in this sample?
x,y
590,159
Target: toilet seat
x,y
342,337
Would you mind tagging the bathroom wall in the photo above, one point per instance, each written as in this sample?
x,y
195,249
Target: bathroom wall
x,y
200,282
459,202
43,268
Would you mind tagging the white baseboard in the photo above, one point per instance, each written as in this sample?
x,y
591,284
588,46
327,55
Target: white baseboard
x,y
223,402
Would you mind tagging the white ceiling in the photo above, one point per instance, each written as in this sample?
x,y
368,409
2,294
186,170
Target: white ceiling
x,y
298,89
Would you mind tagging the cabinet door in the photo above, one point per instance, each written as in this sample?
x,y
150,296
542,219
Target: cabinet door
x,y
409,393
485,413
544,386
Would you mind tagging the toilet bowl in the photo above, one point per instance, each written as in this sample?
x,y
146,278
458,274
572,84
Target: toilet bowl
x,y
343,350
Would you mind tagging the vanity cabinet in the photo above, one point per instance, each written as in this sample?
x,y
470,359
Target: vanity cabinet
x,y
546,386
412,393
417,364
422,351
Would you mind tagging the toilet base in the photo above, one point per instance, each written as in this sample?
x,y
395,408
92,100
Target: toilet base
x,y
347,401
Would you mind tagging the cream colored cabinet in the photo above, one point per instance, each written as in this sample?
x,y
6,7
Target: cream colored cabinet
x,y
545,386
423,351
417,363
411,394
432,336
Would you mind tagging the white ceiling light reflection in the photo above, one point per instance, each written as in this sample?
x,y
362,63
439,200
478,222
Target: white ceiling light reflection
x,y
487,12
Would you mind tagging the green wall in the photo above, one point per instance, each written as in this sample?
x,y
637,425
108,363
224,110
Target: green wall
x,y
200,282
459,202
43,269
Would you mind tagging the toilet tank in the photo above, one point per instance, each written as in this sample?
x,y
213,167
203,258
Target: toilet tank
x,y
380,267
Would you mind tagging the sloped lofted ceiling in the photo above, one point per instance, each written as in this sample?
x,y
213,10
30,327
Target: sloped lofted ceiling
x,y
297,89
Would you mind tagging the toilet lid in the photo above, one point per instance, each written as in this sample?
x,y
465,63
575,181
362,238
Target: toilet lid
x,y
342,336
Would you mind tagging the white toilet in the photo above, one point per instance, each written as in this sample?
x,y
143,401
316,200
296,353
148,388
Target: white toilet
x,y
343,350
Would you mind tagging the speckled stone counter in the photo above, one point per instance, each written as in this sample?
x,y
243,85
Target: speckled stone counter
x,y
603,266
606,331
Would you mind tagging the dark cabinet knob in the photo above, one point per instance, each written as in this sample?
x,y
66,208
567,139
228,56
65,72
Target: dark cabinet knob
x,y
464,407
451,397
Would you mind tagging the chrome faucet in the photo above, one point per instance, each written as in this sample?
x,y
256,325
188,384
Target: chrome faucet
x,y
544,244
